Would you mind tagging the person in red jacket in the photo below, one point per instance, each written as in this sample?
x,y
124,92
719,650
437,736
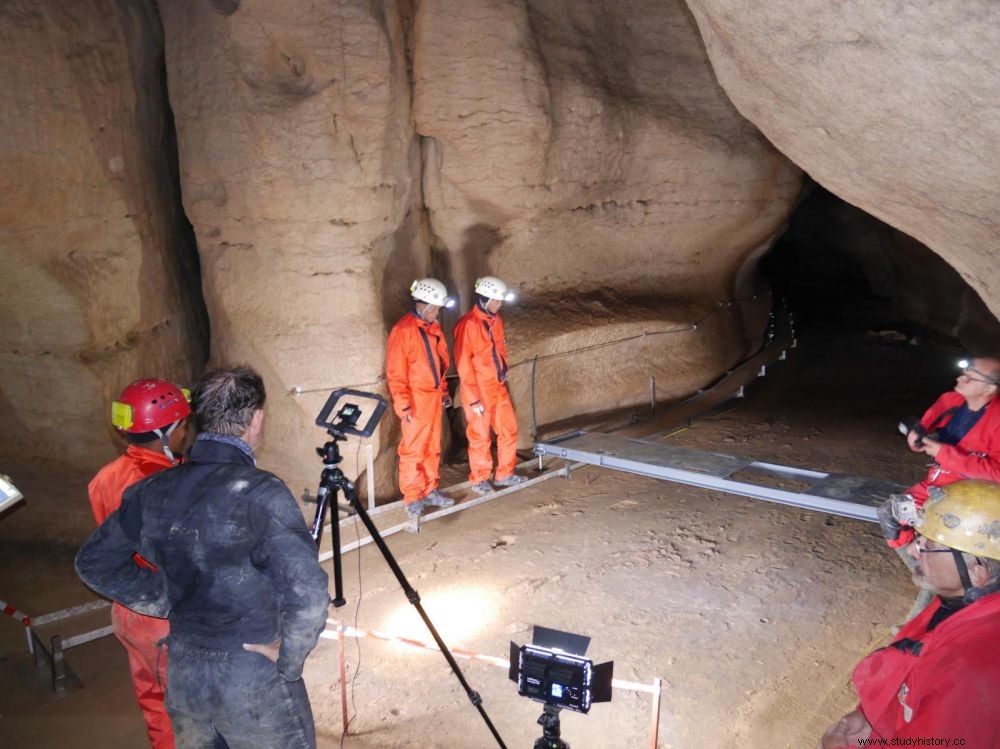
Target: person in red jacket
x,y
481,360
961,433
152,414
416,361
938,679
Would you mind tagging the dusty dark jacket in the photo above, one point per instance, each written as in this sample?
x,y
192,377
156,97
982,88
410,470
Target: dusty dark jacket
x,y
236,563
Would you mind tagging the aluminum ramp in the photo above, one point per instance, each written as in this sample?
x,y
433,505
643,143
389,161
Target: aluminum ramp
x,y
834,493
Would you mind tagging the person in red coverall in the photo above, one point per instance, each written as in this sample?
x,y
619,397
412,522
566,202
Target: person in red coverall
x,y
481,360
416,361
152,414
961,432
938,679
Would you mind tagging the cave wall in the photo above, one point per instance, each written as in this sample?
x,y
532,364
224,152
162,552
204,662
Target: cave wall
x,y
891,106
99,266
582,150
300,175
929,291
285,169
327,154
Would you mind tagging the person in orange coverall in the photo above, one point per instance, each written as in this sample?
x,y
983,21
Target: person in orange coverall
x,y
481,360
416,361
152,415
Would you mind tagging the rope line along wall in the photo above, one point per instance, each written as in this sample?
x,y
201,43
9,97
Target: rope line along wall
x,y
725,304
694,326
533,360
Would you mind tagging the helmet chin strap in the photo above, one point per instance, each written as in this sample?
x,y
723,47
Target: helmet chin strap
x,y
164,435
963,570
972,594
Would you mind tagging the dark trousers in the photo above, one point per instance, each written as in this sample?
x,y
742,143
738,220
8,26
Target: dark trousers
x,y
219,699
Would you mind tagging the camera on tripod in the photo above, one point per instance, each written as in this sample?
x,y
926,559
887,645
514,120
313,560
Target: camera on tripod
x,y
346,420
554,670
333,482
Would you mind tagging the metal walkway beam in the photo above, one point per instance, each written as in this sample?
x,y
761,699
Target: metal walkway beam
x,y
837,494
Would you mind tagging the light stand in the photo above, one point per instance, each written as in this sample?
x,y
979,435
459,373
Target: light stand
x,y
554,670
549,721
332,481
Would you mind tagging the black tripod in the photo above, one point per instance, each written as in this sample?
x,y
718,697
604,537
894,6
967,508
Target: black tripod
x,y
549,721
332,481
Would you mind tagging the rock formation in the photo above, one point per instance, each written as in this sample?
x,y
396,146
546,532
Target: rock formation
x,y
300,175
891,106
326,154
608,179
99,268
583,151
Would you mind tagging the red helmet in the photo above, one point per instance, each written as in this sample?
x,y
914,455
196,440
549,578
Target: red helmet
x,y
149,405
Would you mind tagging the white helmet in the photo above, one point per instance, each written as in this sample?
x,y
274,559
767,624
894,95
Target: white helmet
x,y
492,287
431,291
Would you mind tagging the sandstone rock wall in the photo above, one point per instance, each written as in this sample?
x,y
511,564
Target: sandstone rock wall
x,y
582,150
99,268
328,154
300,175
891,106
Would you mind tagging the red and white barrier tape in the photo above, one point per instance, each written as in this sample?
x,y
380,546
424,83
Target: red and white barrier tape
x,y
15,614
331,634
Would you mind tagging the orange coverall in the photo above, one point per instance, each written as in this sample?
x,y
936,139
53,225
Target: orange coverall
x,y
415,364
139,634
481,360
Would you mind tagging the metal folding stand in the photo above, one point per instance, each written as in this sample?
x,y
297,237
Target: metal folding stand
x,y
53,651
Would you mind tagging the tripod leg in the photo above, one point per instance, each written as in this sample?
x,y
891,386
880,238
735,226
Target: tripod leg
x,y
414,598
319,518
324,495
338,599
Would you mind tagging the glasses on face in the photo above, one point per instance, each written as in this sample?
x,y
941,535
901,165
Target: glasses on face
x,y
924,546
968,370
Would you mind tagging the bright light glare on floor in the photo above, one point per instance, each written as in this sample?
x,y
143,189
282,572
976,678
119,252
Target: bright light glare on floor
x,y
457,614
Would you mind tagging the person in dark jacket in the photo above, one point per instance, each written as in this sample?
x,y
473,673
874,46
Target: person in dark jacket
x,y
237,574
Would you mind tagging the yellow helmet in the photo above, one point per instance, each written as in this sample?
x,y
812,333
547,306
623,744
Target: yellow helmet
x,y
965,516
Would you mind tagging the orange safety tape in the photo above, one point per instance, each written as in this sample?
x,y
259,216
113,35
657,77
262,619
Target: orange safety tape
x,y
15,614
349,631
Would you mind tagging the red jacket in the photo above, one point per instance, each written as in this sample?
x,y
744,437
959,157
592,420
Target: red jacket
x,y
480,355
416,361
976,456
106,488
945,687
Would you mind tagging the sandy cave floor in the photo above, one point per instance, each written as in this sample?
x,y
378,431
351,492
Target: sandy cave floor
x,y
753,614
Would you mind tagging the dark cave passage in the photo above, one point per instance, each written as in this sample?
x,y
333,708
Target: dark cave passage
x,y
837,264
